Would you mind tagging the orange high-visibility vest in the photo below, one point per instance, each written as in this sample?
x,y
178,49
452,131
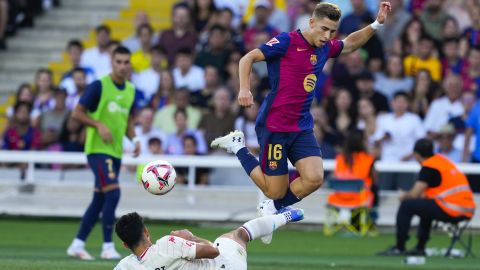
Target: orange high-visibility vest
x,y
361,169
453,194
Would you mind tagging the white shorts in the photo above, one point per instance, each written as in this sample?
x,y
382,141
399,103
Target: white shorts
x,y
232,255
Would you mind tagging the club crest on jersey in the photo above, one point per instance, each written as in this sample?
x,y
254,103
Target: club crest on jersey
x,y
272,41
272,165
309,82
313,59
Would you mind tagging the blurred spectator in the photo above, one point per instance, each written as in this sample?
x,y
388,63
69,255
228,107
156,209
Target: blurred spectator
x,y
20,134
458,9
450,29
51,121
72,135
235,7
393,27
219,120
202,99
472,124
345,74
446,134
302,20
327,138
471,36
155,146
144,131
165,91
397,131
74,51
80,84
262,15
223,17
473,79
459,122
175,140
423,93
410,38
165,118
185,73
3,23
425,58
394,79
342,115
373,47
44,100
181,35
24,94
444,108
133,42
141,58
245,122
149,79
277,17
202,11
351,22
201,174
365,86
451,61
367,122
216,52
433,17
98,58
260,67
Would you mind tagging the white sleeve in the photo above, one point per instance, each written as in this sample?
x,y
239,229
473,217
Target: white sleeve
x,y
380,130
177,247
430,118
419,130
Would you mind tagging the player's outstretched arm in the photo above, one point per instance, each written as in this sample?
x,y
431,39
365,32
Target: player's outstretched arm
x,y
245,97
356,39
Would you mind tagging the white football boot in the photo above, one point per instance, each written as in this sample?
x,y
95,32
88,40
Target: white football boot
x,y
80,253
231,142
110,254
266,208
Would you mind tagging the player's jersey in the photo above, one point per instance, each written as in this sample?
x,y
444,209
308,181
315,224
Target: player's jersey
x,y
293,68
168,253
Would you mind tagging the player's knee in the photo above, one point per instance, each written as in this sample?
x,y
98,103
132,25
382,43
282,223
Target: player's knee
x,y
314,182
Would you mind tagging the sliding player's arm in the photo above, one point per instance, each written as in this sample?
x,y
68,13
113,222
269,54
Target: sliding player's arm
x,y
356,39
245,97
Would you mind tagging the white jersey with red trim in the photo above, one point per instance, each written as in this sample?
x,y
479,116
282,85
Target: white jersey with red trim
x,y
168,253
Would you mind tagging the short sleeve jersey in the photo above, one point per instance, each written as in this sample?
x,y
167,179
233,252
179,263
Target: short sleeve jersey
x,y
294,68
169,252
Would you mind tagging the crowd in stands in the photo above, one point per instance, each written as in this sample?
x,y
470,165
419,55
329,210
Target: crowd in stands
x,y
419,76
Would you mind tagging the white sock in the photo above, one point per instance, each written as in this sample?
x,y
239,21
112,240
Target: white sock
x,y
108,245
264,226
77,243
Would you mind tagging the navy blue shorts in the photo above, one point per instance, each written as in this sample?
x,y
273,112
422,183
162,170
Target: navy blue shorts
x,y
105,168
277,147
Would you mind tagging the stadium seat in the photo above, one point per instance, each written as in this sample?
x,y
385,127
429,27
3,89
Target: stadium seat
x,y
354,218
456,233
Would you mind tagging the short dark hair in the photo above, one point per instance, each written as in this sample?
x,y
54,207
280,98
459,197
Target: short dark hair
x,y
331,11
451,40
79,69
154,140
189,137
185,51
121,50
74,43
424,147
144,26
218,27
19,104
129,229
102,27
401,94
180,111
158,49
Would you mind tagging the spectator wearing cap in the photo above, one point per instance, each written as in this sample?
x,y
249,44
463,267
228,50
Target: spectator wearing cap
x,y
98,58
446,135
424,59
351,22
75,51
365,85
262,16
181,35
277,17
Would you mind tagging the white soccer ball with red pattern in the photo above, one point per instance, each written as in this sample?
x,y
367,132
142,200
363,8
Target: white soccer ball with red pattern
x,y
159,177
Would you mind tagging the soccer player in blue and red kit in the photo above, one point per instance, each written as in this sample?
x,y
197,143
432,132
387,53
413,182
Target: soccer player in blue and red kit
x,y
284,124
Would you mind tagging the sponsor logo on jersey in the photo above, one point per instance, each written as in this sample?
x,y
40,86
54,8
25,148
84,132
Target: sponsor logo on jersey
x,y
301,49
309,82
114,107
272,41
313,59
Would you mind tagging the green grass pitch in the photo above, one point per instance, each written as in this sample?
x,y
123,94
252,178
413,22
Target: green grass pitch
x,y
38,244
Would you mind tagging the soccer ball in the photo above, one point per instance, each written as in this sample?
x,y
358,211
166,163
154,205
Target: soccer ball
x,y
159,177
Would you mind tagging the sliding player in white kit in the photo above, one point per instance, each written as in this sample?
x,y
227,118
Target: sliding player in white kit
x,y
184,251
